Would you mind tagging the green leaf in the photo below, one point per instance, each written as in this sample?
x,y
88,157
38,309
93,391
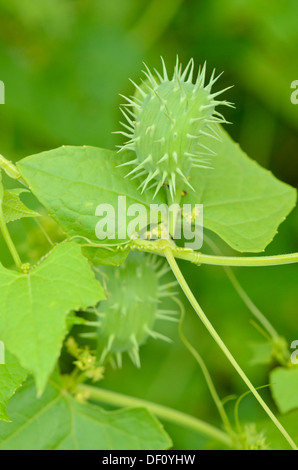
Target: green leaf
x,y
13,208
243,203
284,386
107,257
11,205
12,375
34,307
58,422
72,181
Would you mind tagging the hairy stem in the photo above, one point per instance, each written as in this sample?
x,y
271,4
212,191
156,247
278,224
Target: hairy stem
x,y
11,170
179,276
162,412
158,247
248,261
173,214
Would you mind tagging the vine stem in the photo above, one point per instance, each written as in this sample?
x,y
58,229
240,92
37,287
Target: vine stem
x,y
184,286
247,261
162,412
11,170
154,21
206,374
244,296
158,247
173,215
9,242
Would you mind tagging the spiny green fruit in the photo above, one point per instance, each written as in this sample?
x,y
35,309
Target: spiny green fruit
x,y
127,318
165,121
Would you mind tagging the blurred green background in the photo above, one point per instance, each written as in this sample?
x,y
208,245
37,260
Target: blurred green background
x,y
64,63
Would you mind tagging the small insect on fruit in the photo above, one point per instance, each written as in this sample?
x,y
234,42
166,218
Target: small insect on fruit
x,y
165,121
134,298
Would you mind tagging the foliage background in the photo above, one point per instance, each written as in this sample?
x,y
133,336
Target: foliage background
x,y
64,62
